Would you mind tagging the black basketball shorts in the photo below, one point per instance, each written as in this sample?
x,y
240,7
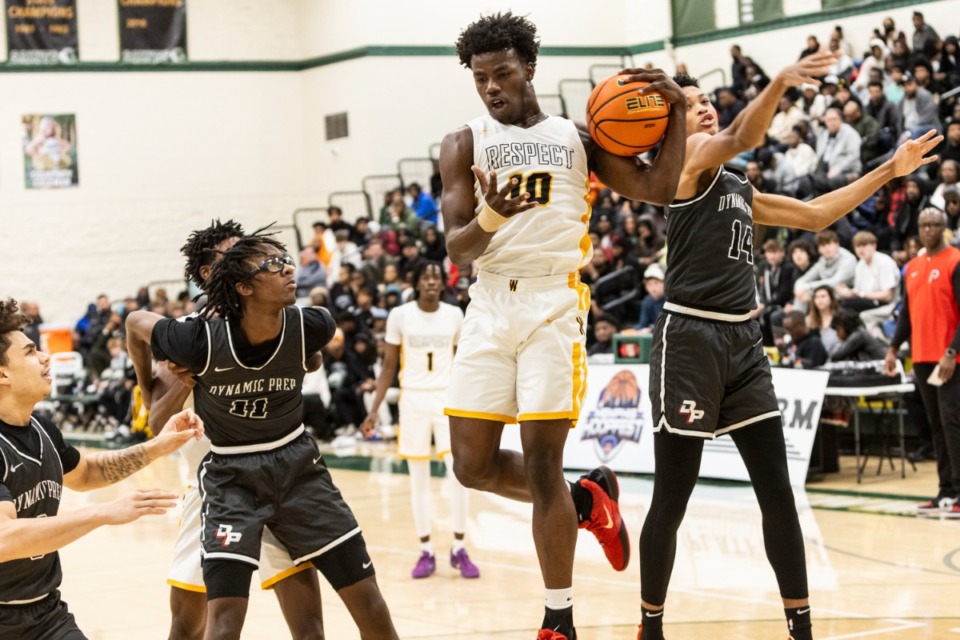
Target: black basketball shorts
x,y
47,619
708,377
288,489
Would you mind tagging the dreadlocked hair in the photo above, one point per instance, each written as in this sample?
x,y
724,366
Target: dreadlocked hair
x,y
683,80
11,319
496,33
200,249
422,269
237,265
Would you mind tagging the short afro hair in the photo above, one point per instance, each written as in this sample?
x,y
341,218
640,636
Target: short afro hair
x,y
683,80
496,33
421,270
11,319
200,248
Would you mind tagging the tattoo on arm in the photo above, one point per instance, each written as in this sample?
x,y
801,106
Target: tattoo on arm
x,y
117,465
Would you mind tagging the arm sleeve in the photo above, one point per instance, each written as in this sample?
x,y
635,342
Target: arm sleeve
x,y
902,333
184,343
318,328
955,343
69,456
393,334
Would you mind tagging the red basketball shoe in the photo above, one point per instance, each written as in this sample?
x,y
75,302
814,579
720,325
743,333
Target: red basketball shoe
x,y
605,522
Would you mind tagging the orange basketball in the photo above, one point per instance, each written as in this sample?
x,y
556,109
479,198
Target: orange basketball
x,y
623,121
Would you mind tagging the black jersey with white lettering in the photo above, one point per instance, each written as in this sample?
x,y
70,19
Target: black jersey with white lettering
x,y
710,247
32,478
244,404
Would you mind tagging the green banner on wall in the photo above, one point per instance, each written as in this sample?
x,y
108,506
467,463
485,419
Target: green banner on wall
x,y
153,31
41,31
693,16
838,4
760,10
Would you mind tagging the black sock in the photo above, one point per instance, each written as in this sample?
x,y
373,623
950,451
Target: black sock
x,y
559,620
798,623
582,501
652,623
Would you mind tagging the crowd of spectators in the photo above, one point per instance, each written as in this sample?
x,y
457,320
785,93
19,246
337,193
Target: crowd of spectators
x,y
827,296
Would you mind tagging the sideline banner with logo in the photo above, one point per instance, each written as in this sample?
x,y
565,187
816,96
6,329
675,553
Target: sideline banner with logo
x,y
42,31
616,426
50,151
153,31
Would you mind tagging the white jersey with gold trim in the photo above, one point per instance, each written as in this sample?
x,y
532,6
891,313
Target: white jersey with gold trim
x,y
550,163
427,341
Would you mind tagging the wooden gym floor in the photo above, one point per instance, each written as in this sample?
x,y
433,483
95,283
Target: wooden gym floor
x,y
876,571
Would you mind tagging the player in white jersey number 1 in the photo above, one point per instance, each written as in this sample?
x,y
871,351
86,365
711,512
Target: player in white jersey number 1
x,y
421,339
521,356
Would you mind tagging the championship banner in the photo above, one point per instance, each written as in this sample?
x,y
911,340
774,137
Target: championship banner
x,y
616,424
153,31
50,151
42,32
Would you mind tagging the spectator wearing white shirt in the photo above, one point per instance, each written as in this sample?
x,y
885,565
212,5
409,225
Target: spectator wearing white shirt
x,y
800,156
876,283
949,174
787,117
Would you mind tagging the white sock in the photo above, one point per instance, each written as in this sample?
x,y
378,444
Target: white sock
x,y
426,547
457,545
459,498
557,599
420,495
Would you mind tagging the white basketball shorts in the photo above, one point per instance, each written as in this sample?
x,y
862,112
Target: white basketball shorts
x,y
421,416
522,353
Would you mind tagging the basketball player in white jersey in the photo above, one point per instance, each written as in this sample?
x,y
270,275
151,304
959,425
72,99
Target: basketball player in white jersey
x,y
422,337
297,588
521,356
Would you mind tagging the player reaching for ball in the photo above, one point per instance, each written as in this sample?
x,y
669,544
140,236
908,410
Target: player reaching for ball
x,y
709,374
514,199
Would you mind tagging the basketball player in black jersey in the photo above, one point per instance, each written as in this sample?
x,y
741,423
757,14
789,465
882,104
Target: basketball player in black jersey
x,y
35,465
298,592
249,354
708,371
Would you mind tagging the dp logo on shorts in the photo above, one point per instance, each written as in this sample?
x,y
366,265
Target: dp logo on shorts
x,y
225,533
689,409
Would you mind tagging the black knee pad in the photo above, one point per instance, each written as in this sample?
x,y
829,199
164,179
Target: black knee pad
x,y
227,578
346,564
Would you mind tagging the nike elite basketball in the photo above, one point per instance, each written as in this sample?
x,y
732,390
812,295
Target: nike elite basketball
x,y
624,121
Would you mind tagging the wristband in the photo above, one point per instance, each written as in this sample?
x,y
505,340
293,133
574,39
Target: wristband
x,y
489,220
950,352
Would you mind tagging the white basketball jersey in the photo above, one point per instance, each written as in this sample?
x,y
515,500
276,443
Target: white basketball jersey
x,y
426,341
550,163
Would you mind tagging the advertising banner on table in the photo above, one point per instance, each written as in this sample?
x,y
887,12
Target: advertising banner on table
x,y
616,424
41,31
153,31
50,151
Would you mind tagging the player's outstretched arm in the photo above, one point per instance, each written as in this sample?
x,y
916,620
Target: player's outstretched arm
x,y
820,212
32,537
748,129
631,177
391,359
467,234
100,469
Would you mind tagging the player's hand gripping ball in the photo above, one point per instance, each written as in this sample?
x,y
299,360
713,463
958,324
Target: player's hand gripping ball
x,y
624,121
